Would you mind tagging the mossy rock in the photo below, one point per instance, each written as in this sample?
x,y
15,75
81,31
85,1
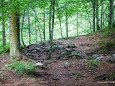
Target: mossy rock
x,y
111,60
76,55
70,45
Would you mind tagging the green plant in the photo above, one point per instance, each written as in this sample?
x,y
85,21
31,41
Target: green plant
x,y
92,64
108,45
4,49
1,75
21,67
77,74
106,33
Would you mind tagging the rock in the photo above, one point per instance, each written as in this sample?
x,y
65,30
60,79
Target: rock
x,y
111,60
33,51
90,53
95,55
113,55
67,65
47,62
99,58
70,45
39,64
76,54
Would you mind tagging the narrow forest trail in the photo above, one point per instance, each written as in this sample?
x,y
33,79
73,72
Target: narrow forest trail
x,y
63,69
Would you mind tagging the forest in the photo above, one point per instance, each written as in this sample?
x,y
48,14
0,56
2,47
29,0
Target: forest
x,y
57,43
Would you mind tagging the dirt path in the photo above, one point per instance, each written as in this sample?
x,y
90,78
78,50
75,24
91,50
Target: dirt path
x,y
62,72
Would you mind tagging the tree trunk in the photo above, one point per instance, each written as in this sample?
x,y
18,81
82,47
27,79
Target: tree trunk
x,y
29,32
94,14
101,25
14,33
22,30
3,24
44,24
66,24
97,15
51,26
77,24
60,27
111,13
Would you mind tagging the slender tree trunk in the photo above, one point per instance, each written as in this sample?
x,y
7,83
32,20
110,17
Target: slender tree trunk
x,y
36,32
38,23
3,24
111,13
22,30
53,16
94,14
60,28
77,24
97,15
51,26
66,24
14,33
44,24
102,14
29,32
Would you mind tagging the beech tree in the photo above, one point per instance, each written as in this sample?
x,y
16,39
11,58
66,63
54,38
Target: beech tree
x,y
14,30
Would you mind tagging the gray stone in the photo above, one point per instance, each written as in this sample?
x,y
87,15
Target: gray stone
x,y
76,54
39,64
70,45
67,65
99,58
113,55
111,60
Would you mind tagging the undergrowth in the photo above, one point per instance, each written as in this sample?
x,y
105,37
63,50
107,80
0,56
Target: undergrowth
x,y
107,42
4,49
92,64
107,45
22,67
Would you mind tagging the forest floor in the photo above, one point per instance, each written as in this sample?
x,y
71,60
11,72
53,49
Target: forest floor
x,y
67,67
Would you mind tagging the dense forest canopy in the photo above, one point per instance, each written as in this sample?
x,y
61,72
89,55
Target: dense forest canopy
x,y
24,22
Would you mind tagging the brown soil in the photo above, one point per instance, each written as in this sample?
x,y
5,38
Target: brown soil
x,y
56,74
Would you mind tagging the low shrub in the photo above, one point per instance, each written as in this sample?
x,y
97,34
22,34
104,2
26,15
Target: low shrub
x,y
92,64
107,45
4,49
22,67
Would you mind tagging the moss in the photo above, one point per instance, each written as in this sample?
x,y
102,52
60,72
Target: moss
x,y
107,45
22,67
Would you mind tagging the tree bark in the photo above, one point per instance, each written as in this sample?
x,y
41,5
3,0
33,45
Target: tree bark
x,y
77,24
66,16
44,23
111,13
51,25
22,30
29,32
14,32
94,14
3,24
97,15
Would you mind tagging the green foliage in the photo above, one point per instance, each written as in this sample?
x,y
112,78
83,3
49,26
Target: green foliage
x,y
2,75
108,32
22,67
92,64
107,45
4,49
78,74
